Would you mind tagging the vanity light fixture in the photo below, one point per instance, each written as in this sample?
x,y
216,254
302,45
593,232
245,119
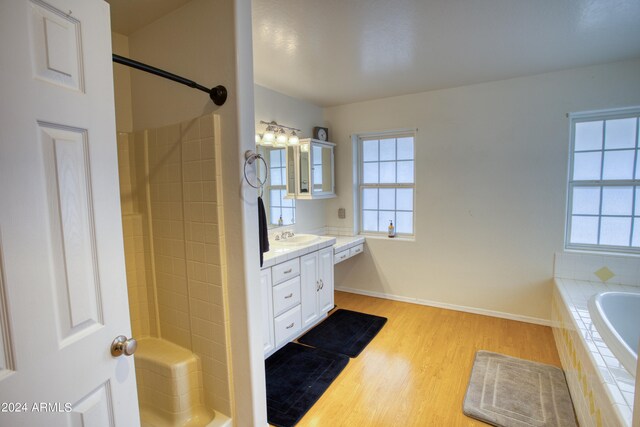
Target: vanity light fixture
x,y
278,135
293,139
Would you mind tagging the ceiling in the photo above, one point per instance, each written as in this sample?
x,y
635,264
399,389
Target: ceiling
x,y
129,15
333,52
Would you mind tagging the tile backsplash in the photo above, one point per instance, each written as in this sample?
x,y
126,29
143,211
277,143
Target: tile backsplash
x,y
603,268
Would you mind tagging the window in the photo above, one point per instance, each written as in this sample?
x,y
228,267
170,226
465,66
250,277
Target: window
x,y
603,211
386,182
279,207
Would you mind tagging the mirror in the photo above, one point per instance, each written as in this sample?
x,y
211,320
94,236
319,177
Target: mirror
x,y
315,169
322,164
280,210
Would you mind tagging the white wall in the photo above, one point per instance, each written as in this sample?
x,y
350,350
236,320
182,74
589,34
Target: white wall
x,y
490,181
271,105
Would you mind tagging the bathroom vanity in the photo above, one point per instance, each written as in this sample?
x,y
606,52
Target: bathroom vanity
x,y
296,284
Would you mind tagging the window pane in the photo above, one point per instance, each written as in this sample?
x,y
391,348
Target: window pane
x,y
618,164
620,133
388,172
274,196
276,176
636,232
275,157
617,200
384,218
586,166
387,199
287,202
588,136
405,222
404,199
275,215
287,216
584,229
370,151
370,220
615,231
405,172
387,149
405,148
586,200
370,173
370,198
637,209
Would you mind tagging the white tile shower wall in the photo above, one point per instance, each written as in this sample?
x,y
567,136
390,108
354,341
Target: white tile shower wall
x,y
134,241
165,187
205,258
583,266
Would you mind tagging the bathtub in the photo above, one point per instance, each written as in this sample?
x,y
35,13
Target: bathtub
x,y
616,316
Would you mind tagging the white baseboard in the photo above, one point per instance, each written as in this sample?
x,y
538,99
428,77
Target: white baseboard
x,y
447,306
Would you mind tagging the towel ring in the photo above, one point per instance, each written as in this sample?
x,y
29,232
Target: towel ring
x,y
250,156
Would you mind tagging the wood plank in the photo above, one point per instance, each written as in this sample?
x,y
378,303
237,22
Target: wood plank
x,y
415,372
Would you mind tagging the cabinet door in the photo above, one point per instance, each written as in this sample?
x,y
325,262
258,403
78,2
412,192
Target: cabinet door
x,y
266,305
309,288
325,277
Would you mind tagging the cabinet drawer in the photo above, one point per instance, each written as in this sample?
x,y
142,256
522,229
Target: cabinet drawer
x,y
356,250
288,325
286,295
285,271
341,256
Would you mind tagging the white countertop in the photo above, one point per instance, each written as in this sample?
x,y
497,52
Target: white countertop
x,y
346,242
280,253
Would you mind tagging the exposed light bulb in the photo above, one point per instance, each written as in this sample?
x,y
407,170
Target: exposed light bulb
x,y
268,137
258,139
293,139
282,138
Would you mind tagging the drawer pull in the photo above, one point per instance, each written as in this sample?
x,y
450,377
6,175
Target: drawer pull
x,y
321,284
287,271
357,250
343,256
291,325
288,296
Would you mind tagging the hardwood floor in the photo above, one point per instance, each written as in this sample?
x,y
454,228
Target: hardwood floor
x,y
416,370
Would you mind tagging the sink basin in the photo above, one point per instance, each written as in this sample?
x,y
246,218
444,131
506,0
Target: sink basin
x,y
297,240
616,316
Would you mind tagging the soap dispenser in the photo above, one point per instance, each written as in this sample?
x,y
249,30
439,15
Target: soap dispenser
x,y
280,221
392,229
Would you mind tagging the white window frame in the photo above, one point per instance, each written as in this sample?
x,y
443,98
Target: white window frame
x,y
358,178
604,115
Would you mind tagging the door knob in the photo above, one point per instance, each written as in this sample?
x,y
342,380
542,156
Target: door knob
x,y
123,345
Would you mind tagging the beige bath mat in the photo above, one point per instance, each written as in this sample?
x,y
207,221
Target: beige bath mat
x,y
509,392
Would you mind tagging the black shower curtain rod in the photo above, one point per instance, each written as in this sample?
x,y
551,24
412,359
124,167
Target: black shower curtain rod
x,y
217,94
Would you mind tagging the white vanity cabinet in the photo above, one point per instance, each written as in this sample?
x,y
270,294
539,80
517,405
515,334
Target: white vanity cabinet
x,y
296,295
266,296
316,279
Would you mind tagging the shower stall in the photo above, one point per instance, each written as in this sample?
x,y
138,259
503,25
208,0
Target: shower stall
x,y
173,220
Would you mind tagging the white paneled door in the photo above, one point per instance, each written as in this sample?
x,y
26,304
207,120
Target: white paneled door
x,y
63,296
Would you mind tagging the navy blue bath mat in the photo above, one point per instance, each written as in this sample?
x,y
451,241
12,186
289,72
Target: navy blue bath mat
x,y
296,378
346,332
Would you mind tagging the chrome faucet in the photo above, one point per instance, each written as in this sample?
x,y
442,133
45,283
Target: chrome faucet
x,y
284,235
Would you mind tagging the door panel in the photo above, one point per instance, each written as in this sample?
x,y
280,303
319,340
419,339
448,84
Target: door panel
x,y
325,275
62,277
309,288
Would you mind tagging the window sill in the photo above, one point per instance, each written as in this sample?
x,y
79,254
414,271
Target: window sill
x,y
385,237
